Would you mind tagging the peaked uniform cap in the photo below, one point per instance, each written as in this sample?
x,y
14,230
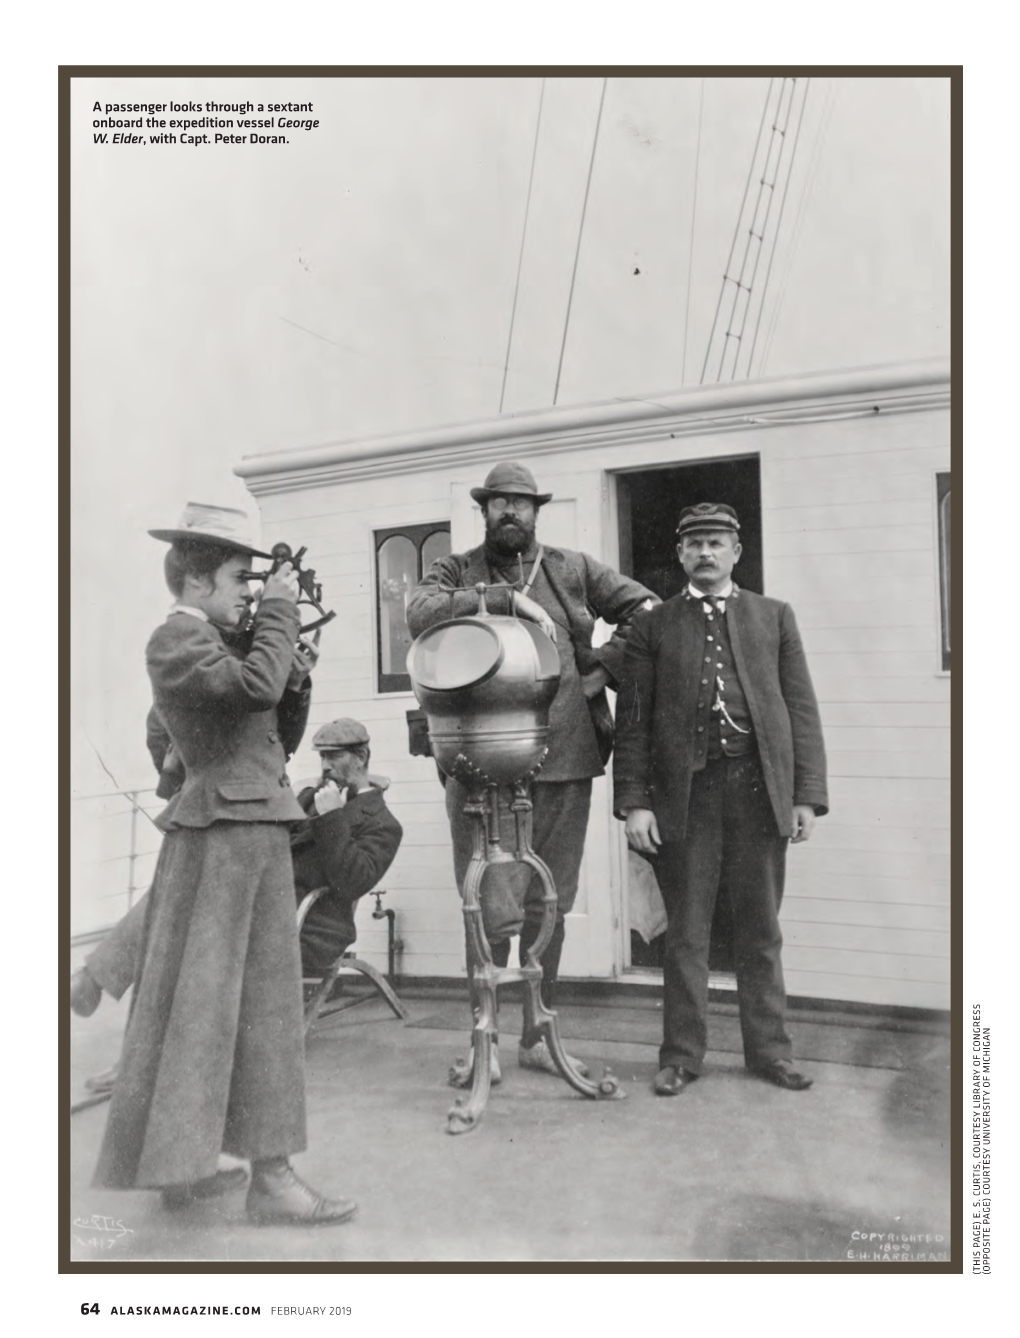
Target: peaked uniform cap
x,y
344,733
510,476
223,526
707,516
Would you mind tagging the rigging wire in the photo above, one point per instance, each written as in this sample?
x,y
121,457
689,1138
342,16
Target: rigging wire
x,y
779,225
117,785
690,255
770,185
823,129
736,230
524,233
580,233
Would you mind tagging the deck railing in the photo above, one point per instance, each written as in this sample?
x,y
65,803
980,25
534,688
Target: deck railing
x,y
119,831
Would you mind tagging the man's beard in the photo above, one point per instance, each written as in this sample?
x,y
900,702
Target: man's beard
x,y
509,536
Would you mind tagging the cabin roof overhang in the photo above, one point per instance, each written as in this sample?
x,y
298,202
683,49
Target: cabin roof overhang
x,y
854,392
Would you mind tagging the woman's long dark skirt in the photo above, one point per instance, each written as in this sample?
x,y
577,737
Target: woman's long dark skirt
x,y
213,1059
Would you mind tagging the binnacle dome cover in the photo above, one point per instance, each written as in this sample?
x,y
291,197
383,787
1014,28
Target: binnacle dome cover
x,y
486,684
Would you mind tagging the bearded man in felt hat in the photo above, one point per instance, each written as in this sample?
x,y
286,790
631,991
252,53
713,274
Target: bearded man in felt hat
x,y
213,1058
564,592
720,764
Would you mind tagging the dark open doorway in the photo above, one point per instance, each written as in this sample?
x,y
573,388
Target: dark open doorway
x,y
649,502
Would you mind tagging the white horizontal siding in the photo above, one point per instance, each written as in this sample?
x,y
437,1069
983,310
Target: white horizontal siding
x,y
908,764
868,986
848,539
874,907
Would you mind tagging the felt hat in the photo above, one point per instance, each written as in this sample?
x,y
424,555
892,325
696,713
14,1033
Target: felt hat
x,y
223,526
707,516
510,476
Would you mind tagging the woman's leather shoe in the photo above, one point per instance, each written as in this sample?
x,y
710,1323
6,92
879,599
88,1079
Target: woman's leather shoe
x,y
279,1195
671,1080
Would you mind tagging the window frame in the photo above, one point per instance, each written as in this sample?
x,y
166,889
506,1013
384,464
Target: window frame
x,y
944,565
418,535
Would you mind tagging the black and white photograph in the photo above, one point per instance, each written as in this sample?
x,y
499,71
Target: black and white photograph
x,y
510,634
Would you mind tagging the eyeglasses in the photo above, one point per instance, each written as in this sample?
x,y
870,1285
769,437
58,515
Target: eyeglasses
x,y
499,503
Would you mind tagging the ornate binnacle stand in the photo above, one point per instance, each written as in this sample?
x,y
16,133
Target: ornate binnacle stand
x,y
485,684
486,977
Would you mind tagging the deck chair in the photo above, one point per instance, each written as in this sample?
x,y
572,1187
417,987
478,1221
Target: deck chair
x,y
318,1003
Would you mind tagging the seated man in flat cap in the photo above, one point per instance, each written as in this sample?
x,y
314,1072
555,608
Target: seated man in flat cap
x,y
720,763
347,841
564,592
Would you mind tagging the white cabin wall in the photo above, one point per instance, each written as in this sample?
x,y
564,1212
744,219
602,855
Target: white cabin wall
x,y
849,540
337,525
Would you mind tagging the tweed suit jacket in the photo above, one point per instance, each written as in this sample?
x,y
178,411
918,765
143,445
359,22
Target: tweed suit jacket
x,y
657,716
575,590
221,713
349,849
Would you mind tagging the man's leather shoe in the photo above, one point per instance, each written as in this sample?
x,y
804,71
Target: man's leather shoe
x,y
278,1195
539,1057
179,1196
86,993
782,1073
671,1080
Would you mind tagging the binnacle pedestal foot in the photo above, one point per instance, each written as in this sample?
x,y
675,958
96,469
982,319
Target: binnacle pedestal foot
x,y
540,1022
465,1112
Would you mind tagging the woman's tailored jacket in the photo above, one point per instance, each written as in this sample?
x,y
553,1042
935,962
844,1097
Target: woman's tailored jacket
x,y
221,712
657,718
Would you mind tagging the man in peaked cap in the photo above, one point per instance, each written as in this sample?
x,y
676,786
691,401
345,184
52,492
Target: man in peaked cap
x,y
213,1056
720,763
564,592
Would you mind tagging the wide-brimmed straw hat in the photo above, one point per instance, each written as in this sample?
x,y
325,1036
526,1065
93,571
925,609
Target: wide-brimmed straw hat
x,y
224,526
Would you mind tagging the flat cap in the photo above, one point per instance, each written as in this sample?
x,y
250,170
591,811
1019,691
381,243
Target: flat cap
x,y
339,734
707,516
510,476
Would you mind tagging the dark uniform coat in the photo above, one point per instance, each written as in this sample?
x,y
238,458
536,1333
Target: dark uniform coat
x,y
658,721
213,1056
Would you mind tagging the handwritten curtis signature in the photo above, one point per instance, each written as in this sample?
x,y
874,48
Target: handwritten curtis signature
x,y
99,1223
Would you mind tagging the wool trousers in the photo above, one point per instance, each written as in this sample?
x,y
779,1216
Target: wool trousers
x,y
559,827
114,963
732,848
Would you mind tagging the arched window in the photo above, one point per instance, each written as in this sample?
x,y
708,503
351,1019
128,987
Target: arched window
x,y
402,556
